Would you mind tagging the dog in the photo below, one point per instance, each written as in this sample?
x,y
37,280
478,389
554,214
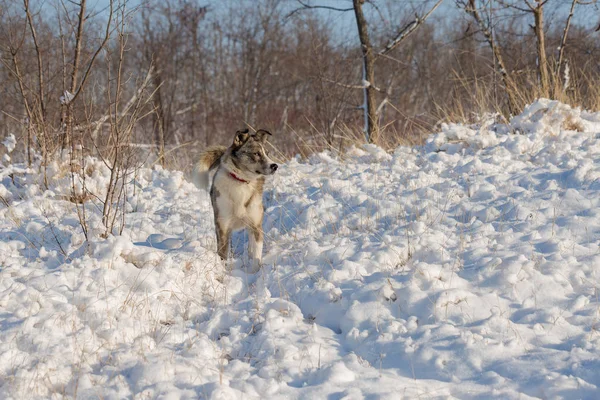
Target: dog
x,y
236,189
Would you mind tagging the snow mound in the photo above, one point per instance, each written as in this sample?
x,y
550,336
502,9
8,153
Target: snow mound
x,y
552,117
455,137
465,268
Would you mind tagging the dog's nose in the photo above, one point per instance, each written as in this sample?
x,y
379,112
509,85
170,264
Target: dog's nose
x,y
274,167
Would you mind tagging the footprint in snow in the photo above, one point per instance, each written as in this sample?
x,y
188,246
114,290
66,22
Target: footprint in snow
x,y
162,242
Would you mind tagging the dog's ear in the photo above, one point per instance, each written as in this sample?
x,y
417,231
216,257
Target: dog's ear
x,y
241,137
262,135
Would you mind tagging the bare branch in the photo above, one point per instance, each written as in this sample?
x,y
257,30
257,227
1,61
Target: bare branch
x,y
408,29
515,7
471,8
134,99
306,6
363,86
531,6
98,50
39,58
563,41
78,39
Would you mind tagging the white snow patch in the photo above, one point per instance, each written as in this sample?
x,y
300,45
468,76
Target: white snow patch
x,y
66,97
466,268
10,142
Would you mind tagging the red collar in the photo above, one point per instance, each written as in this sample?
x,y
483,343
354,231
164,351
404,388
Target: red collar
x,y
237,178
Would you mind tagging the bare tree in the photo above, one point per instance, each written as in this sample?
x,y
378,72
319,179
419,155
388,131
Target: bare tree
x,y
560,61
370,56
214,69
122,118
33,101
41,114
536,8
563,40
369,105
15,69
170,41
476,11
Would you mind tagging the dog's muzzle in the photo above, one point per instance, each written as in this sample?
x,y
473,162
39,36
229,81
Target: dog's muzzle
x,y
274,167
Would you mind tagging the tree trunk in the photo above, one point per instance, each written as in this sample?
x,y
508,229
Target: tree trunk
x,y
159,118
472,9
371,128
563,41
42,129
68,109
542,60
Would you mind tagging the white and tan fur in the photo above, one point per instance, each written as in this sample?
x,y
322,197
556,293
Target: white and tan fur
x,y
236,189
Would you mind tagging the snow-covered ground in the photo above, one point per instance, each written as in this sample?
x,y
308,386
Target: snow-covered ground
x,y
467,268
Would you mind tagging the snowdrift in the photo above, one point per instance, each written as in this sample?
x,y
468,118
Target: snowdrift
x,y
467,268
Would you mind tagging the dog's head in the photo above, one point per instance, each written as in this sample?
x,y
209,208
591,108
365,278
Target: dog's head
x,y
250,154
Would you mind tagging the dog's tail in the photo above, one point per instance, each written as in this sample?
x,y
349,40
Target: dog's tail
x,y
209,160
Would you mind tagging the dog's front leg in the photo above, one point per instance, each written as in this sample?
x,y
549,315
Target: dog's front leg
x,y
255,238
223,238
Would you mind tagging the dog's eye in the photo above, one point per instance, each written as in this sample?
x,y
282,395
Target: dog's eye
x,y
257,154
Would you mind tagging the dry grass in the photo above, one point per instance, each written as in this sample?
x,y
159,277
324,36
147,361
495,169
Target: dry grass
x,y
472,98
477,96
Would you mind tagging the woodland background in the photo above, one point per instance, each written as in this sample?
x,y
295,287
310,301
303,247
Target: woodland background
x,y
159,80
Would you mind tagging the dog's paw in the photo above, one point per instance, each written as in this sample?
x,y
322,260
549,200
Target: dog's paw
x,y
254,267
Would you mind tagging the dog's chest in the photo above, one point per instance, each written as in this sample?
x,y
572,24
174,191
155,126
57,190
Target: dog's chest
x,y
234,199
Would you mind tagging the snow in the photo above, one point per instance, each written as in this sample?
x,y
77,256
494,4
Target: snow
x,y
466,268
66,97
10,142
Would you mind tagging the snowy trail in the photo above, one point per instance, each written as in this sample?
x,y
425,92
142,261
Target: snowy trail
x,y
467,269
